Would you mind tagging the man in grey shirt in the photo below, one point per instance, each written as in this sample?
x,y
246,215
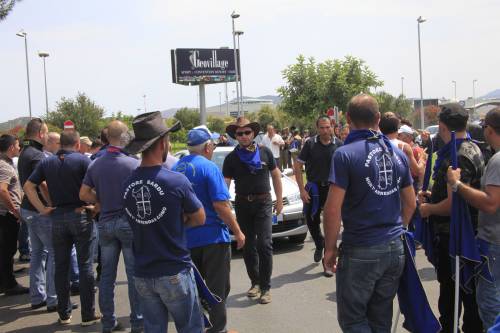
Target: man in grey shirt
x,y
488,202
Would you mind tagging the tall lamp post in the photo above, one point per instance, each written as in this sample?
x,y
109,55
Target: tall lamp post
x,y
238,34
44,55
23,34
454,89
144,96
234,16
474,94
420,20
402,86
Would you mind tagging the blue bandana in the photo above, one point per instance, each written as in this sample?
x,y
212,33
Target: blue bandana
x,y
364,134
250,158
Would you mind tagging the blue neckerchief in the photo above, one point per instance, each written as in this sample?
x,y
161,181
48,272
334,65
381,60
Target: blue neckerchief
x,y
445,153
312,189
364,134
250,158
413,302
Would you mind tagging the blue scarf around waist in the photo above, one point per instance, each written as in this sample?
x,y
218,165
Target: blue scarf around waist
x,y
250,158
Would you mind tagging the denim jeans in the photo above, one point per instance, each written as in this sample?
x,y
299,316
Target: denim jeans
x,y
74,273
177,295
487,293
70,228
115,236
367,282
42,287
23,239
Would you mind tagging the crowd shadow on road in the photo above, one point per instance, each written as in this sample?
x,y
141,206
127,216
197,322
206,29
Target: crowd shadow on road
x,y
297,276
13,308
332,297
427,274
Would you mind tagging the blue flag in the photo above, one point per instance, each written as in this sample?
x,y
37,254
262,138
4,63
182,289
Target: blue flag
x,y
312,189
413,302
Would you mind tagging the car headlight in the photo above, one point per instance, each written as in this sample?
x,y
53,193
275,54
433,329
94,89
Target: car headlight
x,y
294,198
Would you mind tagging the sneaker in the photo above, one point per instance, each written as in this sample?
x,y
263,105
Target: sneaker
x,y
17,290
254,291
53,308
265,297
38,306
24,258
64,321
117,328
327,272
91,321
318,254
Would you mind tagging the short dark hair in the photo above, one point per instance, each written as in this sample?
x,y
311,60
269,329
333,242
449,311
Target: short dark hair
x,y
6,141
363,110
69,138
454,116
104,136
492,119
389,123
34,127
97,143
321,118
406,122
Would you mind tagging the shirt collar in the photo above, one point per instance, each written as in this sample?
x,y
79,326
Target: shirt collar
x,y
33,143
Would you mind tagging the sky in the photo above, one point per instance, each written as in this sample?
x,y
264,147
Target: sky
x,y
118,51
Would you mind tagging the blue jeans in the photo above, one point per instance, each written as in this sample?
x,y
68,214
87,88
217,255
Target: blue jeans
x,y
70,228
115,236
42,287
74,273
177,295
23,238
367,282
487,293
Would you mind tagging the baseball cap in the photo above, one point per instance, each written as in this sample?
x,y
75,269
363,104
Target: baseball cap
x,y
405,129
199,135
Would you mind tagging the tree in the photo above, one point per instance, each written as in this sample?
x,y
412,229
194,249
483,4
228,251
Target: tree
x,y
388,103
188,117
5,7
82,111
216,124
431,113
312,88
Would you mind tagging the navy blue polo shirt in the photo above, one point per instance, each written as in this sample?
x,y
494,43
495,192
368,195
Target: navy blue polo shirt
x,y
64,173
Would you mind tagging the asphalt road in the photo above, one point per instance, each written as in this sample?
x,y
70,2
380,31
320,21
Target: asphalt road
x,y
303,300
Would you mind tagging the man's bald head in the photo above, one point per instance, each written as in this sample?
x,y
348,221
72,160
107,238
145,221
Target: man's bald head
x,y
117,133
53,142
362,111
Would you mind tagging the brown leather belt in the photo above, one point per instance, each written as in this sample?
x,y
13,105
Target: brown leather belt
x,y
253,197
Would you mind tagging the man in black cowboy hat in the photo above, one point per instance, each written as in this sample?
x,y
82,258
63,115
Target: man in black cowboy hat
x,y
159,204
250,165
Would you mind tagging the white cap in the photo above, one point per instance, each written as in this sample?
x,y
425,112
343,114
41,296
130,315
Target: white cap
x,y
405,129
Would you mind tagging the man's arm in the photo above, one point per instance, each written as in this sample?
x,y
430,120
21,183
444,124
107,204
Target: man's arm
x,y
7,200
44,191
223,209
278,190
195,219
331,223
409,204
442,208
297,170
415,167
30,191
87,194
228,181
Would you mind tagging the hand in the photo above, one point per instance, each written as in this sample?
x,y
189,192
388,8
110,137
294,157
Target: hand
x,y
240,240
453,175
16,214
423,196
425,210
330,259
47,210
305,196
279,205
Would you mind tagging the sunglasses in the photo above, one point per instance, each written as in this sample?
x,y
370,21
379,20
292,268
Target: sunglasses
x,y
243,133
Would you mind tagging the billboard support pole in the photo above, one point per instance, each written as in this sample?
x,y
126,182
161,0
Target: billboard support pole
x,y
203,107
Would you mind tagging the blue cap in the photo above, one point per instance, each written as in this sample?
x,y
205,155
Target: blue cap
x,y
199,135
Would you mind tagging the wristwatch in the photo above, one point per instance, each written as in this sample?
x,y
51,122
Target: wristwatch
x,y
454,187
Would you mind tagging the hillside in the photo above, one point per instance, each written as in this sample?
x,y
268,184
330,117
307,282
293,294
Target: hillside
x,y
21,121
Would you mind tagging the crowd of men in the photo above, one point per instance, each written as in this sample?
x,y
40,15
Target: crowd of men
x,y
173,219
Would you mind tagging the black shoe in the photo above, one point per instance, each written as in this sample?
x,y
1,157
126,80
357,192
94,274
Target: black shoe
x,y
75,289
38,306
53,308
118,328
17,290
318,254
91,321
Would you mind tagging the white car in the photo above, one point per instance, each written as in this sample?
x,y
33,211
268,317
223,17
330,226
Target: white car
x,y
293,224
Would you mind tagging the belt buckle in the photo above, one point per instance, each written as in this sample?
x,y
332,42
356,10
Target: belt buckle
x,y
250,197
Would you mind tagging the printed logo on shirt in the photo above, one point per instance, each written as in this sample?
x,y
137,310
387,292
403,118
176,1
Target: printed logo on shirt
x,y
382,181
186,168
143,192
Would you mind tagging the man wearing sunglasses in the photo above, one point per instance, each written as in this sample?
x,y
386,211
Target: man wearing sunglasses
x,y
250,165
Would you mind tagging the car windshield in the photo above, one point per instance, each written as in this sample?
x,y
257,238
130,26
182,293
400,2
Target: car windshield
x,y
219,156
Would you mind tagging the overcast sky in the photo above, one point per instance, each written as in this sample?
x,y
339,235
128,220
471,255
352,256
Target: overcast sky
x,y
117,51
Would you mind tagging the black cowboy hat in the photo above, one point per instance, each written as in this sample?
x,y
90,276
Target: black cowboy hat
x,y
148,127
240,123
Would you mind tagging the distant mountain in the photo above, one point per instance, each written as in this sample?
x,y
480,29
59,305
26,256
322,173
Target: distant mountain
x,y
21,121
492,94
169,113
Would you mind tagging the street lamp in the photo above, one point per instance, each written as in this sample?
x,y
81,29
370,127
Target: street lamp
x,y
234,16
402,86
454,89
144,96
474,94
420,20
238,34
23,34
44,55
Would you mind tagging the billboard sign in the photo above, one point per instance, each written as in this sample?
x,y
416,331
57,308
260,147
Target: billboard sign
x,y
195,66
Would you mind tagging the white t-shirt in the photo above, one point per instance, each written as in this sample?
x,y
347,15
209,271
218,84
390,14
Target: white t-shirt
x,y
273,144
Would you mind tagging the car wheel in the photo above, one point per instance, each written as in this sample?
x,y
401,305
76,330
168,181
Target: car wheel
x,y
298,239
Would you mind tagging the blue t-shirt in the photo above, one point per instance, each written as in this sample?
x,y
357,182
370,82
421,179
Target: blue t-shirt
x,y
155,200
106,176
372,179
209,186
64,173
